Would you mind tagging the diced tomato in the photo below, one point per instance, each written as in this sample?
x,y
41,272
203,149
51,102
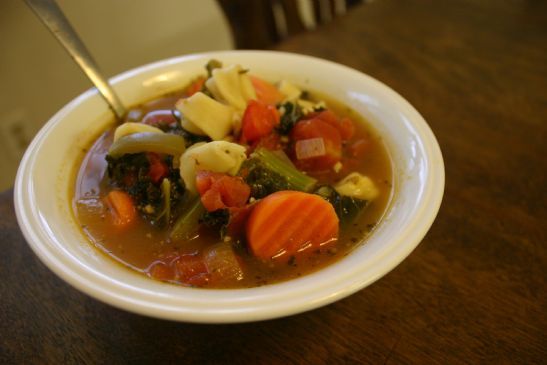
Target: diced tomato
x,y
159,118
195,86
219,191
317,128
158,168
217,264
345,125
188,269
258,121
271,142
238,220
266,92
191,269
205,179
346,128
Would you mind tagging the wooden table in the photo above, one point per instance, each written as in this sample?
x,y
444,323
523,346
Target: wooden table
x,y
474,291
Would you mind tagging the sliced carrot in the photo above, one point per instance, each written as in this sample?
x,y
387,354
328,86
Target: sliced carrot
x,y
195,86
266,92
287,223
121,207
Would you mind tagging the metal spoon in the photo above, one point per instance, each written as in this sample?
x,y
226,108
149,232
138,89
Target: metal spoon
x,y
53,18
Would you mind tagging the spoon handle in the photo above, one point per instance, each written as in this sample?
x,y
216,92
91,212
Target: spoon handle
x,y
54,19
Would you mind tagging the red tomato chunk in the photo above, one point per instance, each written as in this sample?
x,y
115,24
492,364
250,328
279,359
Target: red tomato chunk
x,y
332,142
158,168
258,120
219,191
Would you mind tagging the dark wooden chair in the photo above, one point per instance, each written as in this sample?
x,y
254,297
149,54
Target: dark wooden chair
x,y
259,24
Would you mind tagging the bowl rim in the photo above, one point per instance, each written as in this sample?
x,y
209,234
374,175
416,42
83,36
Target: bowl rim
x,y
430,204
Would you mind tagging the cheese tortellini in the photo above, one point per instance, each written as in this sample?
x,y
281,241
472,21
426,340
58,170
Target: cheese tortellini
x,y
357,186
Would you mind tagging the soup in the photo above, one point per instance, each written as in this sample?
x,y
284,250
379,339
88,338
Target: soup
x,y
233,182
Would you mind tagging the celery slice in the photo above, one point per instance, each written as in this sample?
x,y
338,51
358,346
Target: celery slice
x,y
186,226
296,180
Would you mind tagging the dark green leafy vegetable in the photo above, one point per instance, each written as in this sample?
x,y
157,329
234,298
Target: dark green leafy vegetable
x,y
155,201
266,172
292,114
347,208
217,220
262,181
135,165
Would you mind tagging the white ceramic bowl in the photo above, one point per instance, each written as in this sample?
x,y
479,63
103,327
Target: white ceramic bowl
x,y
43,201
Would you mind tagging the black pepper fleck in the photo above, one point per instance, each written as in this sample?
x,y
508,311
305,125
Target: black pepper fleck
x,y
292,261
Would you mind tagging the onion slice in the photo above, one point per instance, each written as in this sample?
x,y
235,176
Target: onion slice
x,y
309,148
170,144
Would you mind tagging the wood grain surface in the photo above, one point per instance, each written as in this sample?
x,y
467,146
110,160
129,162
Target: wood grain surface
x,y
473,292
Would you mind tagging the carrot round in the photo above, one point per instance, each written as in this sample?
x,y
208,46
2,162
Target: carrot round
x,y
289,222
121,207
195,86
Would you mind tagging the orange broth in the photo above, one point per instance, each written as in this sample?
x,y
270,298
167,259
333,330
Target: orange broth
x,y
143,244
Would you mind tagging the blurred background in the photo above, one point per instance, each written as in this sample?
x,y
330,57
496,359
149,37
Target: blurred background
x,y
38,77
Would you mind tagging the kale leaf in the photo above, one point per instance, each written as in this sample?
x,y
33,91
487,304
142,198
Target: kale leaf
x,y
263,181
292,114
217,220
130,173
346,207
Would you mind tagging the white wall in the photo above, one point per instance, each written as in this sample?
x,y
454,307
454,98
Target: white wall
x,y
37,77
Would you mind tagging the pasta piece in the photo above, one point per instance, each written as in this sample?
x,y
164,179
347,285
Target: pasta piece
x,y
203,115
290,91
216,156
231,85
357,186
131,128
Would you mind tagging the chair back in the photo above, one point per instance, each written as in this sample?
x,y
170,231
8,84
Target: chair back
x,y
259,24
